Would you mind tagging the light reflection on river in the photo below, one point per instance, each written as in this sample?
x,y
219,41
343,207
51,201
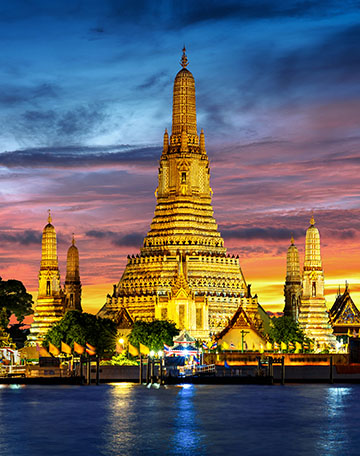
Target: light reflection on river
x,y
126,419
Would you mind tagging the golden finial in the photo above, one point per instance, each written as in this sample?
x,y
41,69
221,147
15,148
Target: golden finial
x,y
292,240
73,239
312,220
184,61
49,216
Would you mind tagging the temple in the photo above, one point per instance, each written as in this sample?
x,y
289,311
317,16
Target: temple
x,y
305,300
293,287
72,287
345,316
183,272
53,302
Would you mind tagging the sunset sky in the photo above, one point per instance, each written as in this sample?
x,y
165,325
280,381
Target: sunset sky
x,y
85,96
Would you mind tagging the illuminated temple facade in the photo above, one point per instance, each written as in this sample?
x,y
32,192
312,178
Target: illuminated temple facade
x,y
52,301
183,272
304,298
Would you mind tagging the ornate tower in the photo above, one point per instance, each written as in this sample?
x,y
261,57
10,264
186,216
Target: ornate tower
x,y
292,288
72,288
49,306
313,317
182,272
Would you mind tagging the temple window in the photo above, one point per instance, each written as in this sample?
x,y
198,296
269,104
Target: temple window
x,y
48,288
183,178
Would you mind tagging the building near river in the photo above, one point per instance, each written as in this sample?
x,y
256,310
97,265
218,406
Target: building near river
x,y
53,301
304,298
182,272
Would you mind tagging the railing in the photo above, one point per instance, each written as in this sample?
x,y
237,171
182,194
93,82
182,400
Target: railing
x,y
194,369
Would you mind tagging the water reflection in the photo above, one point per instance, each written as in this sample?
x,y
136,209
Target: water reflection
x,y
127,419
335,439
187,438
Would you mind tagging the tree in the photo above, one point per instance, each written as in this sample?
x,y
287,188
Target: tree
x,y
83,328
14,300
285,329
5,339
153,334
120,359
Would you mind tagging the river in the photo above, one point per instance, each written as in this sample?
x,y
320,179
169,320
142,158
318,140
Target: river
x,y
126,419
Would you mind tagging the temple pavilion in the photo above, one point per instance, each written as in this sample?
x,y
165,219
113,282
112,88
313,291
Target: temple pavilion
x,y
344,315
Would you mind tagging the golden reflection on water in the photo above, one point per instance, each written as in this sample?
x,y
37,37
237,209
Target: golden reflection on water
x,y
335,438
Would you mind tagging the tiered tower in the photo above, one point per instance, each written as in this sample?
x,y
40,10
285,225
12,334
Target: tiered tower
x,y
49,306
313,317
72,288
292,288
183,272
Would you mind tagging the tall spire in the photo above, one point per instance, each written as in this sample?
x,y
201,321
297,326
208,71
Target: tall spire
x,y
72,287
313,316
184,106
312,247
49,306
292,288
48,246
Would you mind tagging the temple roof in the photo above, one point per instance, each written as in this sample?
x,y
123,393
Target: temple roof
x,y
344,310
240,320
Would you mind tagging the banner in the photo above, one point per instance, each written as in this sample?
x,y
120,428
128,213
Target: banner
x,y
144,350
133,350
53,350
79,349
65,348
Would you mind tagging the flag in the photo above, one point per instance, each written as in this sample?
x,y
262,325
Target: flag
x,y
42,351
90,349
226,365
53,350
204,345
291,346
276,346
305,346
144,350
232,345
214,345
283,346
133,350
79,349
167,349
268,346
196,360
297,347
225,346
65,348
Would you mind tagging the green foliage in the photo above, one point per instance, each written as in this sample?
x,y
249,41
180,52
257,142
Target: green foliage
x,y
285,329
14,300
82,328
153,334
120,359
5,339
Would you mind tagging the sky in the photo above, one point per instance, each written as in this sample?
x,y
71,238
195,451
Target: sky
x,y
85,96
